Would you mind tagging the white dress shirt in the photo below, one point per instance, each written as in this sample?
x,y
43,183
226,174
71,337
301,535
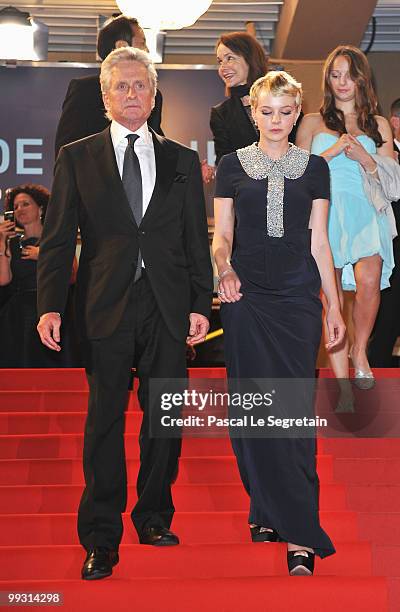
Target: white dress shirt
x,y
144,150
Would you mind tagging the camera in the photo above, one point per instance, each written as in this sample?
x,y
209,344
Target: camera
x,y
9,215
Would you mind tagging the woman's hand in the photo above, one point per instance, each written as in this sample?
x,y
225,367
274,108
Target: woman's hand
x,y
7,230
207,172
30,252
229,287
355,151
339,147
336,328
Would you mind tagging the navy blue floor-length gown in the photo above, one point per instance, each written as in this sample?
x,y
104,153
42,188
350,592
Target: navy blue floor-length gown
x,y
274,331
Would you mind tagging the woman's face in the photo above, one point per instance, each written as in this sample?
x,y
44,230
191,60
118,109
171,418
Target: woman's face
x,y
275,115
343,87
26,210
232,68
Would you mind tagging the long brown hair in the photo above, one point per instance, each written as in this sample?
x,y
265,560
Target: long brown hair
x,y
366,103
250,49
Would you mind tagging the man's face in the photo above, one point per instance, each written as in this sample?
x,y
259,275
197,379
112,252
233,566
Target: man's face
x,y
130,98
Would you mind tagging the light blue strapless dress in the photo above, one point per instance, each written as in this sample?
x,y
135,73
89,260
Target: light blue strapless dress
x,y
355,228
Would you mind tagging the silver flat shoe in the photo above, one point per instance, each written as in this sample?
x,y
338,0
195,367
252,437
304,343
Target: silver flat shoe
x,y
364,380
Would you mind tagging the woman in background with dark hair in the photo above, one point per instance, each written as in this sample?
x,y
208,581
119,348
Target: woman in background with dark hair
x,y
347,132
20,345
241,61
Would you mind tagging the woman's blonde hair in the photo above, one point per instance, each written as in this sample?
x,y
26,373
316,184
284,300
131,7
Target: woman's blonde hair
x,y
278,83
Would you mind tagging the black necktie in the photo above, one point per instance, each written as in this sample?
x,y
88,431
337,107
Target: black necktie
x,y
132,181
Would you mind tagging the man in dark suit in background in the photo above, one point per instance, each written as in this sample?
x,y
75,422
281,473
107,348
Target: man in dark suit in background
x,y
144,288
83,112
387,324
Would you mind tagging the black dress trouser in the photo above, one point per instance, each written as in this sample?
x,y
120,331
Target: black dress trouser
x,y
141,338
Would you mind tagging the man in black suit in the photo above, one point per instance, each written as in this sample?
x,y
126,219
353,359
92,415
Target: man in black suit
x,y
387,324
144,288
83,112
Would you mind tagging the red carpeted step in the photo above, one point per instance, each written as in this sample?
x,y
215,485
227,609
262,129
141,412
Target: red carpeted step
x,y
393,594
379,527
71,378
42,446
74,378
52,401
386,558
373,497
193,528
191,470
184,561
21,423
27,499
212,515
373,470
38,378
360,447
258,594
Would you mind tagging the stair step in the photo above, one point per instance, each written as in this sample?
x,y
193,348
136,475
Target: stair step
x,y
32,499
193,527
360,447
386,559
68,400
183,561
373,497
191,470
379,527
258,594
371,470
59,379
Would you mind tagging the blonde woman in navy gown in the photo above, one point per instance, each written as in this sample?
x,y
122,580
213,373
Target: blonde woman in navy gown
x,y
272,204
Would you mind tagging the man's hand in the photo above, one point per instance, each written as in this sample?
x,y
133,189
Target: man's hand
x,y
199,327
49,330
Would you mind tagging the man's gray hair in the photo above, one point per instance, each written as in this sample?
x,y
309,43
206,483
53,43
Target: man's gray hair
x,y
395,108
124,54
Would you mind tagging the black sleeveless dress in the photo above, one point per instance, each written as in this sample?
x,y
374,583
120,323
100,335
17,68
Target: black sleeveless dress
x,y
274,331
20,345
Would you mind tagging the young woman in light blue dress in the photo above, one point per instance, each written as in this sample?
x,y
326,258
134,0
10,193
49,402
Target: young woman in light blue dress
x,y
346,132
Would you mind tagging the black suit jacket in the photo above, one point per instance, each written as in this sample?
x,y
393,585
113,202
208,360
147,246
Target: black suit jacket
x,y
83,112
232,128
172,237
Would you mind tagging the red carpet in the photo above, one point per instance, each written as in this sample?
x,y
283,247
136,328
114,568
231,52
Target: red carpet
x,y
216,567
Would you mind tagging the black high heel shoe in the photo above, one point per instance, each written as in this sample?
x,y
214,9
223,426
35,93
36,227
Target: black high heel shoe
x,y
300,562
263,534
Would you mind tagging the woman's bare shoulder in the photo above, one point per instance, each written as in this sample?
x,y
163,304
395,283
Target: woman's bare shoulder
x,y
312,121
382,121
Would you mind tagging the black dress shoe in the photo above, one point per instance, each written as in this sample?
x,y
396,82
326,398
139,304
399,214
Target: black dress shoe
x,y
99,563
158,536
262,534
300,562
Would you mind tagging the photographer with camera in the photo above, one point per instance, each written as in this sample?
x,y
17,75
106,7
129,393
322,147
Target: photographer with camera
x,y
20,233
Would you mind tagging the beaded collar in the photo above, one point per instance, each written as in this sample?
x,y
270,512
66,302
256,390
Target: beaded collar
x,y
258,165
